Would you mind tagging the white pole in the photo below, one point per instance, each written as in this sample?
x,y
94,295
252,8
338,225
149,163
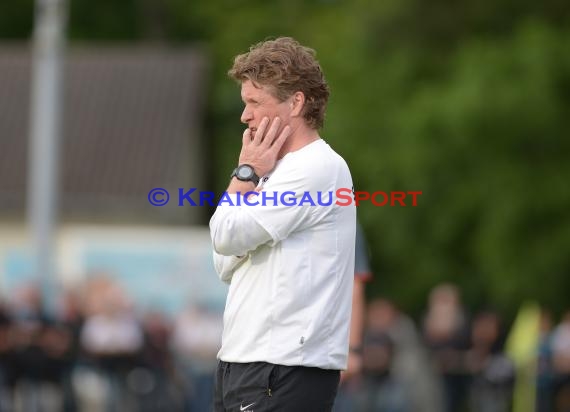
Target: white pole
x,y
44,143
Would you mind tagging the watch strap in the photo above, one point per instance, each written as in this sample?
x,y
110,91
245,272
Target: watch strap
x,y
254,178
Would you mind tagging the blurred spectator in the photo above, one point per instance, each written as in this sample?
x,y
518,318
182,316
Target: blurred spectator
x,y
27,360
39,353
196,341
411,364
71,318
544,379
445,330
55,343
561,364
120,361
492,371
6,366
157,391
113,339
350,379
380,390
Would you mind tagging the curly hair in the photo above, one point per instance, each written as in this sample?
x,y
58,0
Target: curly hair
x,y
286,67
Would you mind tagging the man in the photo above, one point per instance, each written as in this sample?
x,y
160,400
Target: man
x,y
290,268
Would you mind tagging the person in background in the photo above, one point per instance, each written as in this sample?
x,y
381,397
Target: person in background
x,y
493,373
153,381
350,378
561,364
544,378
6,359
446,334
195,341
112,337
380,390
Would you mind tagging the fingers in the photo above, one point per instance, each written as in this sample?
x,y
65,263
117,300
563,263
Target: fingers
x,y
258,136
267,136
246,139
272,133
280,140
264,144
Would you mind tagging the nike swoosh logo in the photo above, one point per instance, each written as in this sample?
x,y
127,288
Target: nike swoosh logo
x,y
243,408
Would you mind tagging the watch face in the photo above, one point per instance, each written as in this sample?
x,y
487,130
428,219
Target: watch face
x,y
244,172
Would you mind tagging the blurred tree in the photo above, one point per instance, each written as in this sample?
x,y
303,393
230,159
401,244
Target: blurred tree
x,y
486,146
16,19
105,20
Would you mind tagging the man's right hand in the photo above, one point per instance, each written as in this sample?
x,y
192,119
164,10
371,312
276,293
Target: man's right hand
x,y
353,369
261,150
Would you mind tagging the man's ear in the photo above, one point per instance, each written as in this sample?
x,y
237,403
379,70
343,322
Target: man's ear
x,y
297,104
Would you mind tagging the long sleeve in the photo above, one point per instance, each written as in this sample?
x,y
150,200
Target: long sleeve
x,y
225,266
234,231
237,229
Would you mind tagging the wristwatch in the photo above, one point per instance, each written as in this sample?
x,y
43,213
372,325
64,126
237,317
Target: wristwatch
x,y
245,173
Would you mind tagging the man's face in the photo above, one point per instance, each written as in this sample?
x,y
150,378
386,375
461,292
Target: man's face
x,y
260,103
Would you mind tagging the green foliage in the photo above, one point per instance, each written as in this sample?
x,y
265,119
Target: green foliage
x,y
486,146
16,19
104,20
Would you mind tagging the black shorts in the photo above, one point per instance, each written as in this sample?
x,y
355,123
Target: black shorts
x,y
261,387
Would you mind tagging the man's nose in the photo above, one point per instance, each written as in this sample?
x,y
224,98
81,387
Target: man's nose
x,y
246,116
